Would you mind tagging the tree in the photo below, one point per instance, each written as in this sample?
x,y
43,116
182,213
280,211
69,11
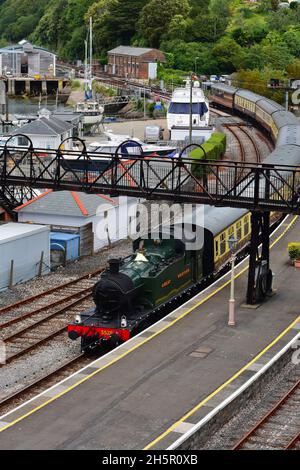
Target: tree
x,y
208,28
123,19
293,69
177,28
104,36
229,54
156,16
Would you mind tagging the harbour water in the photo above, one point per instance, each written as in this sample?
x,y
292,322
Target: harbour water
x,y
28,107
31,106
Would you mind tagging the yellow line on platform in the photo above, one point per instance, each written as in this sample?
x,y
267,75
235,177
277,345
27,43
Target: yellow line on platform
x,y
146,340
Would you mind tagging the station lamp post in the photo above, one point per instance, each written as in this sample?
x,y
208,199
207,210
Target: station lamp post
x,y
231,318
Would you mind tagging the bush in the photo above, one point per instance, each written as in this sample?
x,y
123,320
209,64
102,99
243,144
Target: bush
x,y
294,250
212,149
75,84
219,138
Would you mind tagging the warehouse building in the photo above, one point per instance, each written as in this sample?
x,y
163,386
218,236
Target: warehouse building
x,y
139,63
26,59
24,252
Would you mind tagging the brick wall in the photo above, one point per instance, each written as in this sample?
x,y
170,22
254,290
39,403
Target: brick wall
x,y
133,66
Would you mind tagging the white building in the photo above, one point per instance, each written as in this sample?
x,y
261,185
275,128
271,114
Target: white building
x,y
24,250
99,219
46,132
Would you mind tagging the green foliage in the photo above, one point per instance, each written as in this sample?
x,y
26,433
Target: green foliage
x,y
294,251
156,17
212,149
75,85
103,90
219,36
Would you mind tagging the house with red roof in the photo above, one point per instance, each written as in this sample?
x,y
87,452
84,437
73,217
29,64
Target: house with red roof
x,y
99,219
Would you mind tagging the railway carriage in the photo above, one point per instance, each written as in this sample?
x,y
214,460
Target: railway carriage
x,y
288,135
281,119
223,95
264,111
245,102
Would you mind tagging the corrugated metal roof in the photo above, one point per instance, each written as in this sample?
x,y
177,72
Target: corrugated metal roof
x,y
13,230
63,203
128,50
20,47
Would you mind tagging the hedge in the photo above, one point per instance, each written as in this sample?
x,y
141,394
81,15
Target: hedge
x,y
213,149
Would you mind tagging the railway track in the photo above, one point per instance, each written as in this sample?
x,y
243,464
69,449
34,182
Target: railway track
x,y
45,381
38,319
280,426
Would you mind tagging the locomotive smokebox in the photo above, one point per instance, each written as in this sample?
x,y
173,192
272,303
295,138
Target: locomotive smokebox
x,y
114,265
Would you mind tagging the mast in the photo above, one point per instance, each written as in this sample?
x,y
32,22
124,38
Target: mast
x,y
91,52
85,68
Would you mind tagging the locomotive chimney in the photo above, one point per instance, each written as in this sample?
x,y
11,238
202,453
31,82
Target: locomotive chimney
x,y
114,265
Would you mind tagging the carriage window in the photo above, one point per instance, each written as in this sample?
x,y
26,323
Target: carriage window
x,y
246,225
216,248
222,243
239,230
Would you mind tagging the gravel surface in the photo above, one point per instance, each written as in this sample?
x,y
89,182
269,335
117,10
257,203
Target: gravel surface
x,y
256,408
15,375
64,274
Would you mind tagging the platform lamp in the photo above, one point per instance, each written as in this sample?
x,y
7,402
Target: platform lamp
x,y
232,244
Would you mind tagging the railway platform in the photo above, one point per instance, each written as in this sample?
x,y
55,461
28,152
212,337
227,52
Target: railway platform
x,y
149,391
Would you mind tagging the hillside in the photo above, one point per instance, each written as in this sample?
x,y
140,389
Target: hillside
x,y
222,35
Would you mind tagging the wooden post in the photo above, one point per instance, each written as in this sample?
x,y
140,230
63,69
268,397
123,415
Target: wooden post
x,y
41,264
11,274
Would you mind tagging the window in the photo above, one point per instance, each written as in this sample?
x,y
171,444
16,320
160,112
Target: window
x,y
23,142
222,243
239,230
246,225
184,108
216,248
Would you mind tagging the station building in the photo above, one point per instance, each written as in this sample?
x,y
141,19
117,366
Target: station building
x,y
139,63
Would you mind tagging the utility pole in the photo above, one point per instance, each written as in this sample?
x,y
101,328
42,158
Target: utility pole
x,y
287,99
191,110
85,68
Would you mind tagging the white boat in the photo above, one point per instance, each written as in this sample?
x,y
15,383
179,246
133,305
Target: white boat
x,y
92,112
178,115
113,141
100,152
